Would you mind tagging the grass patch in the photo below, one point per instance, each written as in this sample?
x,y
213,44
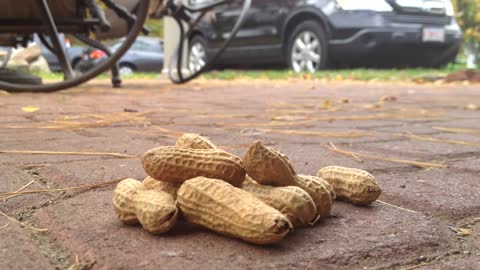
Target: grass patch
x,y
57,76
357,74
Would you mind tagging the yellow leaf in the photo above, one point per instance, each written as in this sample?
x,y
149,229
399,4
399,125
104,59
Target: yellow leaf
x,y
464,232
472,107
30,109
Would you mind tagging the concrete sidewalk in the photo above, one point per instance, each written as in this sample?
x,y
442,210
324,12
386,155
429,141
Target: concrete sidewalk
x,y
426,217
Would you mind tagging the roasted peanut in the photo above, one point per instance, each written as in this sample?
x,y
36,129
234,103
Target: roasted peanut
x,y
329,188
315,187
195,141
171,188
354,185
177,164
154,210
223,208
293,202
268,166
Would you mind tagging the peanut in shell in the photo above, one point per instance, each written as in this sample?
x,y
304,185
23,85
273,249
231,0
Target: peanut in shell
x,y
268,166
195,141
154,210
315,187
171,188
293,202
178,164
225,209
350,184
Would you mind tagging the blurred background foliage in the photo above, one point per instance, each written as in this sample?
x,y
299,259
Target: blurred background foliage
x,y
468,16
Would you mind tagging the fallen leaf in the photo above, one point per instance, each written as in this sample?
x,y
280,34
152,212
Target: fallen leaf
x,y
472,107
388,99
327,104
461,231
30,109
464,232
373,106
344,100
307,76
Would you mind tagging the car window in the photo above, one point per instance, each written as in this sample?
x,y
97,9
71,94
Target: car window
x,y
145,46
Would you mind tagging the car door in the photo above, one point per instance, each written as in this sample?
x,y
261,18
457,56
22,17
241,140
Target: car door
x,y
145,56
260,31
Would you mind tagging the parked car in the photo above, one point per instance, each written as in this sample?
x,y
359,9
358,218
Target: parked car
x,y
309,35
146,55
73,53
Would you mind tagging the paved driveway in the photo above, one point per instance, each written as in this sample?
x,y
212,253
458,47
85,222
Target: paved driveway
x,y
421,142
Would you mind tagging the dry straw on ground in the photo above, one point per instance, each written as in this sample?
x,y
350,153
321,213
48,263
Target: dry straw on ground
x,y
310,133
356,156
78,188
23,223
459,130
19,190
31,152
158,131
83,121
398,207
287,120
431,139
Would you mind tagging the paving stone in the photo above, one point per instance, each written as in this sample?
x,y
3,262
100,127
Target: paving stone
x,y
469,263
17,251
11,180
355,237
91,172
310,158
446,192
420,148
381,236
116,143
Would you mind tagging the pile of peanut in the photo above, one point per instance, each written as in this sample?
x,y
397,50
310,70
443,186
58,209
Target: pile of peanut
x,y
259,199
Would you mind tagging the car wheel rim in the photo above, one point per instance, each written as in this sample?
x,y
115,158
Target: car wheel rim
x,y
306,52
126,71
197,57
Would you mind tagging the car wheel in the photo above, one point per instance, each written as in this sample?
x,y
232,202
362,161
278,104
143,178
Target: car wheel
x,y
197,54
307,48
126,70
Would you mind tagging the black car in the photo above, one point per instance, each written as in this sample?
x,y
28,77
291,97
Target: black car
x,y
308,35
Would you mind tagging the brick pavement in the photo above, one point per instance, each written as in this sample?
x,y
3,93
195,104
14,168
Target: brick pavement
x,y
428,205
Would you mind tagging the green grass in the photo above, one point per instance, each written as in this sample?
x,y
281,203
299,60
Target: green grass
x,y
357,74
156,27
59,76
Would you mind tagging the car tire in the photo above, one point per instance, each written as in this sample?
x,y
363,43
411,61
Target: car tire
x,y
75,63
126,69
447,57
307,48
197,53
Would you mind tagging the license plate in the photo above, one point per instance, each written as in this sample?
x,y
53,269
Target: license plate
x,y
433,35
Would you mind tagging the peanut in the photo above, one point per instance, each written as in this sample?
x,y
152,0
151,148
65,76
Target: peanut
x,y
293,202
195,141
170,188
225,209
268,166
154,210
315,187
178,164
354,185
329,188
